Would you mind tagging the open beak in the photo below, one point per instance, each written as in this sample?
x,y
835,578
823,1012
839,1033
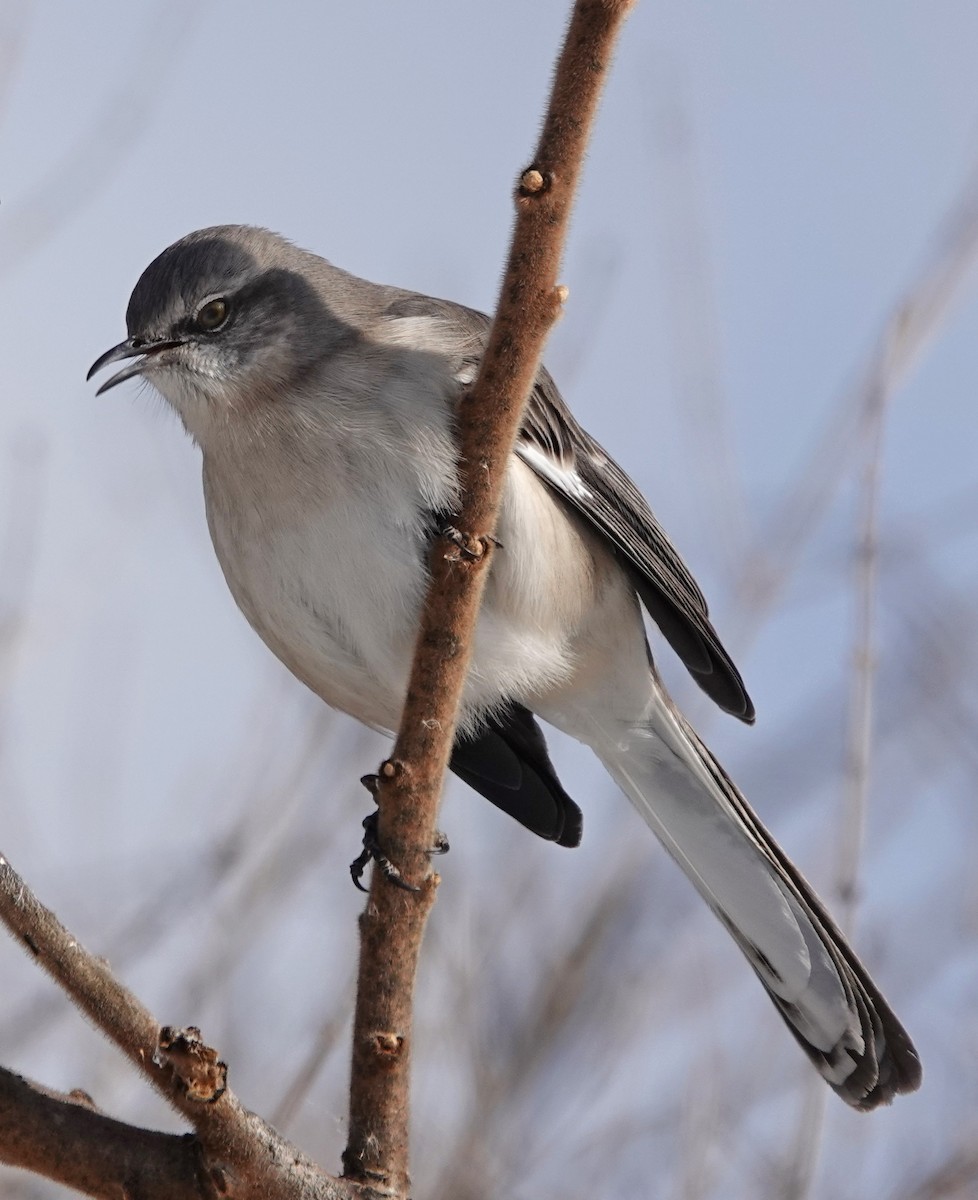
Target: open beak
x,y
138,348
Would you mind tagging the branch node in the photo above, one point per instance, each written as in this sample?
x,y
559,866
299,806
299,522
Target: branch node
x,y
534,182
198,1070
219,1180
388,1045
80,1097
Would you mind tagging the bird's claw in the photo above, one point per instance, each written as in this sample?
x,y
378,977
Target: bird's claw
x,y
372,853
469,546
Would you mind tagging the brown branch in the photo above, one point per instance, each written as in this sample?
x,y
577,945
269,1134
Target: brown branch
x,y
236,1150
410,785
65,1139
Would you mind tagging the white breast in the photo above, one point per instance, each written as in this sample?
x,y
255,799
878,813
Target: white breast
x,y
325,554
332,582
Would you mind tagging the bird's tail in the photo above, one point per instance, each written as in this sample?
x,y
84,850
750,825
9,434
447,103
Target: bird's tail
x,y
810,972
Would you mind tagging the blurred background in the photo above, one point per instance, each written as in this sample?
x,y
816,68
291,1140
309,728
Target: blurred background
x,y
772,325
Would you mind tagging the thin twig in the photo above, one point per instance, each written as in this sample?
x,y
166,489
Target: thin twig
x,y
410,787
880,386
863,678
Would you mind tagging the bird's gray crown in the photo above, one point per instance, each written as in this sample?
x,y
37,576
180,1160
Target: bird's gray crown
x,y
233,316
277,321
207,262
176,278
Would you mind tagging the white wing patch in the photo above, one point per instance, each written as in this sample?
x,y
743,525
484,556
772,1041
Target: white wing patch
x,y
565,479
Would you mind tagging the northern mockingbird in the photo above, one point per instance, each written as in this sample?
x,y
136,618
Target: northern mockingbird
x,y
324,407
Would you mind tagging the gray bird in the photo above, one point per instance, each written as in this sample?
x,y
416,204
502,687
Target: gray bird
x,y
325,408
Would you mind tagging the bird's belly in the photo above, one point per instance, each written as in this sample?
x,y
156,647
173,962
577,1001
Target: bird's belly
x,y
336,604
336,594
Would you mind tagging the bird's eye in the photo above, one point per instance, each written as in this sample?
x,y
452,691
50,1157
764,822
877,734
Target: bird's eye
x,y
212,315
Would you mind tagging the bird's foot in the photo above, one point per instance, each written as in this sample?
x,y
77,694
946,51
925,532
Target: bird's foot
x,y
372,853
467,545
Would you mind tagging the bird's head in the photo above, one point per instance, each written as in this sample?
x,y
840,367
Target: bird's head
x,y
224,321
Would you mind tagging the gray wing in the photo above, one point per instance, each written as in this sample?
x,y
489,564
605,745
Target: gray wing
x,y
587,478
579,470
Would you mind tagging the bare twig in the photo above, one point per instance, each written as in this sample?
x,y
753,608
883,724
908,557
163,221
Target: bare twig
x,y
861,697
411,781
874,406
235,1147
859,735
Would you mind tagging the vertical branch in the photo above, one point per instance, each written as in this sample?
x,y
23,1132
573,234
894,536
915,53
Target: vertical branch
x,y
410,783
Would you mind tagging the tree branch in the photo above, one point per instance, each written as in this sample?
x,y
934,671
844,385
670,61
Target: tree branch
x,y
410,782
65,1139
234,1150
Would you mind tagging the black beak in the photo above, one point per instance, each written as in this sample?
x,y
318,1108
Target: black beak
x,y
133,347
